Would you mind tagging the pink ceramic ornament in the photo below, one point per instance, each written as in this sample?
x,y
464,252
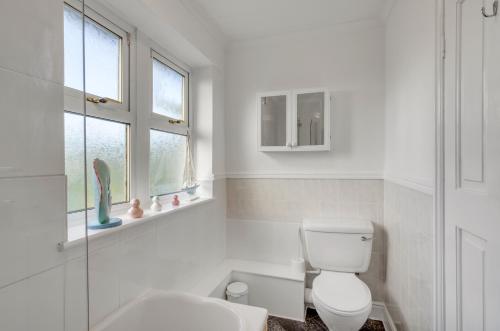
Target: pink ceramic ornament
x,y
135,211
175,201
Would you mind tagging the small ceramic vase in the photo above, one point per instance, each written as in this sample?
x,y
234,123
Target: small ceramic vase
x,y
175,201
135,211
156,206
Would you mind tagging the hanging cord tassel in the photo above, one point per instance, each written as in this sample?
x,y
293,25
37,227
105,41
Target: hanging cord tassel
x,y
495,10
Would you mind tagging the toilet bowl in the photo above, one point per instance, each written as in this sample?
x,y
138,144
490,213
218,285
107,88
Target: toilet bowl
x,y
342,300
340,249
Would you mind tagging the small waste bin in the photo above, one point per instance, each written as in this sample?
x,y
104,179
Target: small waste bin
x,y
237,292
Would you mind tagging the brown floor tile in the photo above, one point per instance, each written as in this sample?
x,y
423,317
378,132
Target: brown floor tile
x,y
313,323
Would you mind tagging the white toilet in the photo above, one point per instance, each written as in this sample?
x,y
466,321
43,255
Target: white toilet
x,y
340,248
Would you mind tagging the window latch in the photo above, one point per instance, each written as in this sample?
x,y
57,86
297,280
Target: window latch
x,y
175,121
97,100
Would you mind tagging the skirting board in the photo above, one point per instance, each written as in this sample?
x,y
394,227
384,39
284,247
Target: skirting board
x,y
380,313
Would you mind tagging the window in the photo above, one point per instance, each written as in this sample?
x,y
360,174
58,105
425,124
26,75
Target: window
x,y
102,54
156,147
107,141
109,121
170,86
106,58
167,154
168,134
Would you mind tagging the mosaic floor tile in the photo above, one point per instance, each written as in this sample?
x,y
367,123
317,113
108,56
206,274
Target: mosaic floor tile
x,y
313,323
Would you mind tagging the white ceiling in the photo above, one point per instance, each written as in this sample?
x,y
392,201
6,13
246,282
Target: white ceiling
x,y
244,19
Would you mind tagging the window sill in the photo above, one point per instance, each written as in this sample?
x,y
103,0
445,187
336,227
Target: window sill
x,y
76,234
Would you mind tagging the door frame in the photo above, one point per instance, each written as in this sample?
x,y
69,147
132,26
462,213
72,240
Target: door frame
x,y
439,185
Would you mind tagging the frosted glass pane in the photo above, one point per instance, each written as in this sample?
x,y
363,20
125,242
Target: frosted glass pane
x,y
107,141
166,162
102,56
168,91
73,48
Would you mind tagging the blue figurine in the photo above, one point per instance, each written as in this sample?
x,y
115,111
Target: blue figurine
x,y
102,197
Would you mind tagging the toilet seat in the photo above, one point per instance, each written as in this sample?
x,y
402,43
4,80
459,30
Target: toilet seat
x,y
341,293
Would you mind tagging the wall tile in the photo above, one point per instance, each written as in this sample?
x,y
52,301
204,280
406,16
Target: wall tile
x,y
104,282
263,215
409,239
33,31
36,303
75,295
32,127
273,242
33,218
137,260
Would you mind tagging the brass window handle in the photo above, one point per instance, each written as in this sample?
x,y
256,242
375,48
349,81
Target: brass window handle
x,y
97,100
175,121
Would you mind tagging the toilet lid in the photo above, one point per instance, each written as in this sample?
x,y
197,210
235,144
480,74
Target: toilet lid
x,y
341,292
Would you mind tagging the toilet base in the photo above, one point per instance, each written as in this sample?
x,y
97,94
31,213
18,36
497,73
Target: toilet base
x,y
337,322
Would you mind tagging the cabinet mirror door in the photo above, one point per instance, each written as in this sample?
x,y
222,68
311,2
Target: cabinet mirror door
x,y
274,115
312,114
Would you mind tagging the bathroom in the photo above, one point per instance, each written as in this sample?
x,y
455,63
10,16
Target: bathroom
x,y
249,165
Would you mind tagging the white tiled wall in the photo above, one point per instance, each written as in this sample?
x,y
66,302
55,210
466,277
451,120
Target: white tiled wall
x,y
264,217
36,303
31,39
31,94
169,253
42,289
409,286
32,182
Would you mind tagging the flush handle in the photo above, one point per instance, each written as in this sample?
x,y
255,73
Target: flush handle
x,y
363,238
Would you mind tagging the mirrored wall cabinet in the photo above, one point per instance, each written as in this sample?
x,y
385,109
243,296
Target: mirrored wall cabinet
x,y
292,121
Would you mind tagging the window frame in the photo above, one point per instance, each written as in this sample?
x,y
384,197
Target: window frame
x,y
163,122
149,158
128,163
160,122
137,107
124,112
113,109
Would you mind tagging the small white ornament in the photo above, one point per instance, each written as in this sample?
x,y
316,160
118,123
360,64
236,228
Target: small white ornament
x,y
156,206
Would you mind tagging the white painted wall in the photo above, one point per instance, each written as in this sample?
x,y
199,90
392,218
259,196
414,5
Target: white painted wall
x,y
409,162
410,93
177,26
348,60
208,132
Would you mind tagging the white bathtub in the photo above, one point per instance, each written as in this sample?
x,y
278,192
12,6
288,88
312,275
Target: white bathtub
x,y
176,311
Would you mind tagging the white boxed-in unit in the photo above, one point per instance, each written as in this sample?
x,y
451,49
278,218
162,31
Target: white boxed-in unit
x,y
276,287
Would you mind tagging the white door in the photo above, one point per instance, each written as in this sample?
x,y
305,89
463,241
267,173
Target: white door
x,y
472,192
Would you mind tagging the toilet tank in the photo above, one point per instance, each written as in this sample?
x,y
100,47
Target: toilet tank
x,y
338,244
